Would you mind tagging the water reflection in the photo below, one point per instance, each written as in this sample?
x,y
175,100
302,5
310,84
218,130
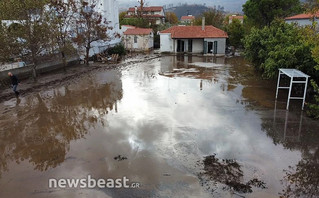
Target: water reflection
x,y
288,128
171,113
41,130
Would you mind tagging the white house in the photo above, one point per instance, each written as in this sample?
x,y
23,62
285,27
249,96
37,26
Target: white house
x,y
232,17
189,19
139,39
193,39
303,19
153,13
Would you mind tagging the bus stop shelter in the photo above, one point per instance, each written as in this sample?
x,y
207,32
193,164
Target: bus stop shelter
x,y
293,74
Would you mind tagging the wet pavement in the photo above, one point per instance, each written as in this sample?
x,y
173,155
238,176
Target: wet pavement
x,y
180,126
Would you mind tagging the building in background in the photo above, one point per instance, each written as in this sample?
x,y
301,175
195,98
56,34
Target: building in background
x,y
188,20
207,40
154,14
238,17
138,39
303,19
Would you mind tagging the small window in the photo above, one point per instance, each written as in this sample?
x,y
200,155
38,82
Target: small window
x,y
135,39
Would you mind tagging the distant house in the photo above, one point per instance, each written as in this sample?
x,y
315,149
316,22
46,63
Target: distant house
x,y
303,19
154,14
187,19
232,17
193,39
125,27
139,39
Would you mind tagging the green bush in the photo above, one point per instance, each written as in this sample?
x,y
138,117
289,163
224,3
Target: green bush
x,y
118,49
313,109
137,22
280,45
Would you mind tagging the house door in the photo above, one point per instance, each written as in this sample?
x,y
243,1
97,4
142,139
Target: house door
x,y
215,47
190,45
210,47
180,46
135,44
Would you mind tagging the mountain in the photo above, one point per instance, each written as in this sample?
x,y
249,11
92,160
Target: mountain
x,y
184,10
229,5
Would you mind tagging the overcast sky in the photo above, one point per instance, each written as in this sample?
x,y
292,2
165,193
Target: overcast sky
x,y
230,5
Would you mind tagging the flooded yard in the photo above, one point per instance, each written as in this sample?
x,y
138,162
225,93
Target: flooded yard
x,y
180,126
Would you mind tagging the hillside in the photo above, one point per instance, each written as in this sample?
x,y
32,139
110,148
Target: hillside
x,y
183,10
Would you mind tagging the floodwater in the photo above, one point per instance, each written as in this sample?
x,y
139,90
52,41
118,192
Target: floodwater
x,y
180,126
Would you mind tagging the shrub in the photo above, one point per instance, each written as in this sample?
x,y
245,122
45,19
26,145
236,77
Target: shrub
x,y
118,49
313,109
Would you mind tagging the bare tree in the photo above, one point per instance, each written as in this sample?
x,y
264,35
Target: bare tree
x,y
90,27
63,17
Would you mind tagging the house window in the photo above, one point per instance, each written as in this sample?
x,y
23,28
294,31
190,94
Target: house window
x,y
135,39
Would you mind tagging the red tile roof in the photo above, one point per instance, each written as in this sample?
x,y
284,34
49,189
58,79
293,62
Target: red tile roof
x,y
188,18
138,31
146,16
147,9
195,32
303,16
236,17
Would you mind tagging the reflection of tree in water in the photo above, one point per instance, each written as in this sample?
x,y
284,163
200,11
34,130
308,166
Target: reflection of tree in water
x,y
303,179
42,130
227,172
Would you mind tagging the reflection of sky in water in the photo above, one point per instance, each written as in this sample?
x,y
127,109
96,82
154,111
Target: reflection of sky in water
x,y
163,125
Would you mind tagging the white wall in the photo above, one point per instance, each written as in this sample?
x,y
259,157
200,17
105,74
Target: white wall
x,y
301,22
166,42
198,45
221,44
144,42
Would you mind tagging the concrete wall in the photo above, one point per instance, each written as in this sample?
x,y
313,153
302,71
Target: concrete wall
x,y
26,72
166,43
198,46
144,42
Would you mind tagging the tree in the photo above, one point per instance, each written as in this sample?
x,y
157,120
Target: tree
x,y
91,27
213,17
171,18
280,45
33,28
263,12
137,22
235,32
9,45
122,16
62,18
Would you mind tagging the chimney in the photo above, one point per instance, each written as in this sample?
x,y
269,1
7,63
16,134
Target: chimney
x,y
203,23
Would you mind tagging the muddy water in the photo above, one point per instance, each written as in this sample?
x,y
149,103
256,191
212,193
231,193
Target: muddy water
x,y
156,123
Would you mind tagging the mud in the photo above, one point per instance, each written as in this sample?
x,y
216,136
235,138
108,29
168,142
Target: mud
x,y
216,132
